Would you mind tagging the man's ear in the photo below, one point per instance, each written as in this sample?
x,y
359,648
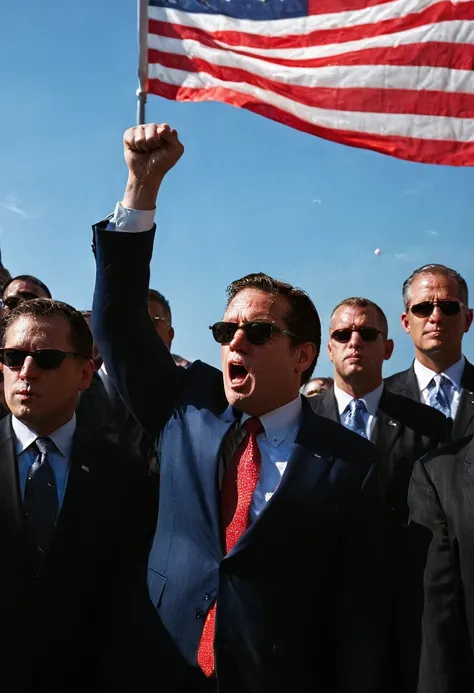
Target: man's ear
x,y
389,347
405,323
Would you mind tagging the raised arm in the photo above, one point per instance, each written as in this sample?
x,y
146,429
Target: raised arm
x,y
136,358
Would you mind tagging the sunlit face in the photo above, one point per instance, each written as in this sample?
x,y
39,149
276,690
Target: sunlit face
x,y
44,399
437,333
357,357
260,378
161,321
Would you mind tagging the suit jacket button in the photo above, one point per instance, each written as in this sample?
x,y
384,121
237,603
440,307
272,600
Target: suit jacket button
x,y
199,613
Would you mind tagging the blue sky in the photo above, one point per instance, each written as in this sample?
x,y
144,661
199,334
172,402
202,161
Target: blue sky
x,y
248,195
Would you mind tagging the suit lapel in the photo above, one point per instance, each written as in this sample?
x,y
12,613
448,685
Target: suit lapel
x,y
11,505
465,412
328,406
386,429
307,466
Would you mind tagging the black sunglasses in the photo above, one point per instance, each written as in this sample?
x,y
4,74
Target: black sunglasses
x,y
46,359
255,332
424,309
13,301
368,334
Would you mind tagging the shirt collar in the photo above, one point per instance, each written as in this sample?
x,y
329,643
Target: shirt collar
x,y
371,399
62,437
279,422
425,375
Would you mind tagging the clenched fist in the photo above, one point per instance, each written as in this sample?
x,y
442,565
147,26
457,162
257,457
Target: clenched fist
x,y
150,151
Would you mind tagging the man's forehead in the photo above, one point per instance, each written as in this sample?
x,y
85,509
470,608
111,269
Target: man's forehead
x,y
38,327
349,315
22,285
428,282
250,301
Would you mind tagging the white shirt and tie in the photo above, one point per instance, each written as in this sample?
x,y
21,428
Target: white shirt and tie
x,y
371,402
453,375
59,458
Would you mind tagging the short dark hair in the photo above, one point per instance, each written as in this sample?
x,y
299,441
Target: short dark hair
x,y
360,302
154,295
440,270
80,334
28,278
302,317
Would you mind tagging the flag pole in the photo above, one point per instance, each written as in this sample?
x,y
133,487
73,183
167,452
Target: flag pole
x,y
142,59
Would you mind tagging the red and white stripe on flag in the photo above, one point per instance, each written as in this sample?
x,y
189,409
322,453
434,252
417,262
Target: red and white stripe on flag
x,y
395,76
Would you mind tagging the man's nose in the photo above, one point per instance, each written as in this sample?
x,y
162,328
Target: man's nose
x,y
436,315
29,368
356,339
239,340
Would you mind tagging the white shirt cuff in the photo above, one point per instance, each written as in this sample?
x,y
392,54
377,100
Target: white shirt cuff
x,y
131,220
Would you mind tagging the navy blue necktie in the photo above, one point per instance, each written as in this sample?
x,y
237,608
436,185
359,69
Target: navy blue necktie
x,y
41,499
354,418
439,394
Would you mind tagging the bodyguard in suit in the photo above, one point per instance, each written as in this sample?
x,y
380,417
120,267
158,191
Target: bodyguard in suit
x,y
441,501
403,430
72,517
267,566
436,317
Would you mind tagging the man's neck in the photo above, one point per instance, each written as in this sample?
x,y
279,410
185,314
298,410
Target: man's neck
x,y
439,363
357,388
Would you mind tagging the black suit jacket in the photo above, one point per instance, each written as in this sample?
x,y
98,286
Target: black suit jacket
x,y
406,384
102,413
441,500
404,430
55,627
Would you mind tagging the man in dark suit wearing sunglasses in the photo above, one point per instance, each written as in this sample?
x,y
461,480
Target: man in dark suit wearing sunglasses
x,y
73,516
267,569
436,317
402,429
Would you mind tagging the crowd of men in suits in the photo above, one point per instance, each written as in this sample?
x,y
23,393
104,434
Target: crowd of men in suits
x,y
166,526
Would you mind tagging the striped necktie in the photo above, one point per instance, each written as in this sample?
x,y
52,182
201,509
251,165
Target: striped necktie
x,y
41,499
440,392
354,417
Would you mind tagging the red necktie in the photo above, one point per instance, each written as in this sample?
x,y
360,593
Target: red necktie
x,y
240,481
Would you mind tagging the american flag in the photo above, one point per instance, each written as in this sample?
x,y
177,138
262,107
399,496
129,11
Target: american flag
x,y
395,76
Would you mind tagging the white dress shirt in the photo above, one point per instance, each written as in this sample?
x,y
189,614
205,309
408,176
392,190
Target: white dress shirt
x,y
281,425
371,401
454,373
275,444
59,458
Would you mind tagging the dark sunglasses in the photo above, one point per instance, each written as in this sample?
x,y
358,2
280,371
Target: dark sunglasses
x,y
13,301
46,359
368,334
255,332
424,309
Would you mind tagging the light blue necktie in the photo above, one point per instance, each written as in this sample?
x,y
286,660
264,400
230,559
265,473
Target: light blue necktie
x,y
439,394
354,417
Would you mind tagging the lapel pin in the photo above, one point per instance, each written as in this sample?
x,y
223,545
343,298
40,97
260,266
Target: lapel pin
x,y
86,469
392,423
316,455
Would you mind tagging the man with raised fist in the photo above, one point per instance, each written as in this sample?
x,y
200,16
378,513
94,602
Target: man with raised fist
x,y
267,568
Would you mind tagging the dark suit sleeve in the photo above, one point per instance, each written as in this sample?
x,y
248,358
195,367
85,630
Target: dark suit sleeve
x,y
137,361
441,627
365,594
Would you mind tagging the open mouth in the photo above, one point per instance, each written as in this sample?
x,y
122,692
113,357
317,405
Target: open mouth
x,y
237,373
